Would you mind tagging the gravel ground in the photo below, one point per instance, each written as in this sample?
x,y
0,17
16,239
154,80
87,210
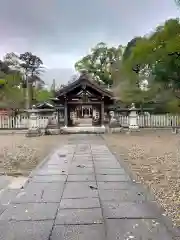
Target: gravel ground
x,y
154,159
19,154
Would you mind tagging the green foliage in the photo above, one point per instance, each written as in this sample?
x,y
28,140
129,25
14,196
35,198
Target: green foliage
x,y
13,82
100,62
129,47
43,95
156,59
11,93
173,105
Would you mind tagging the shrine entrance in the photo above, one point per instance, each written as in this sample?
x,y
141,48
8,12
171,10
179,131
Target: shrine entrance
x,y
84,115
85,103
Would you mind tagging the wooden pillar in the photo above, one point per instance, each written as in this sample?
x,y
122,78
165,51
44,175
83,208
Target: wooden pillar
x,y
65,113
58,119
102,112
58,116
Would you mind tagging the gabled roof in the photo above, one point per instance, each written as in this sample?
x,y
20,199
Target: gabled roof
x,y
88,81
44,105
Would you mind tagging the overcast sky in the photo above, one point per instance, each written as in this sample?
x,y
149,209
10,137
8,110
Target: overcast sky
x,y
61,31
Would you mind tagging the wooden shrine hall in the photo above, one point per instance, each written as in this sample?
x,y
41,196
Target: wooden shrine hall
x,y
83,101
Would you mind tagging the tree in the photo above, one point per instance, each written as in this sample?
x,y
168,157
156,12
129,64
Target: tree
x,y
32,67
43,95
177,2
11,94
101,62
4,68
12,61
158,58
129,48
28,67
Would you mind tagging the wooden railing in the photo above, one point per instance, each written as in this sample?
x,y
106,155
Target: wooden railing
x,y
144,121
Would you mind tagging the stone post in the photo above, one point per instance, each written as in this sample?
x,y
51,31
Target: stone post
x,y
65,113
112,118
133,118
33,120
33,128
102,114
52,127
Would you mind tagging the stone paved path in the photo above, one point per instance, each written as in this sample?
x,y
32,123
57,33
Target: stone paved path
x,y
82,193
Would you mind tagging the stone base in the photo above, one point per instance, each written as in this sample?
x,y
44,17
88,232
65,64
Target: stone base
x,y
92,129
115,130
52,131
114,124
134,128
34,132
175,130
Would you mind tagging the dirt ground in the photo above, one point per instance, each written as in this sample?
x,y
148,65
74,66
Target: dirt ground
x,y
19,154
154,160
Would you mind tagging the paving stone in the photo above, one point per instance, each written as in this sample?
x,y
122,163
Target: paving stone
x,y
4,181
82,158
110,171
52,195
59,166
80,190
2,208
80,169
119,185
122,195
28,230
82,163
104,159
30,211
28,196
79,216
106,165
80,203
85,155
105,156
39,186
54,168
112,178
8,195
51,178
126,206
81,178
131,210
47,172
139,229
79,232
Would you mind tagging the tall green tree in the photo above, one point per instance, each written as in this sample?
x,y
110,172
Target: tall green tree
x,y
11,94
32,66
43,95
100,62
158,60
29,67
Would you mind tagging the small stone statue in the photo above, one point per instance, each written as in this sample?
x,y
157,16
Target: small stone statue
x,y
111,113
133,106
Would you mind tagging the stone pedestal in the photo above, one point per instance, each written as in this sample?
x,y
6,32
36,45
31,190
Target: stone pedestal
x,y
52,126
114,125
33,130
133,119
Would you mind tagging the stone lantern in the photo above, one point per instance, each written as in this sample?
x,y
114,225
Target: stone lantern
x,y
133,118
33,128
